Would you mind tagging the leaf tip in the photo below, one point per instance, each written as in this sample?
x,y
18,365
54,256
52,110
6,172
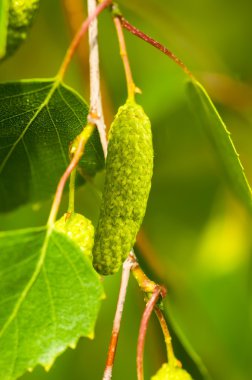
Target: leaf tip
x,y
73,345
48,366
91,335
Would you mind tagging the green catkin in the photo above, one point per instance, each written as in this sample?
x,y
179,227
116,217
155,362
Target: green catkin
x,y
129,168
21,15
168,372
79,229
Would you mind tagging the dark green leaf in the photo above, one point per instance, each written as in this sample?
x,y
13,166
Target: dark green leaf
x,y
215,127
38,121
50,296
4,16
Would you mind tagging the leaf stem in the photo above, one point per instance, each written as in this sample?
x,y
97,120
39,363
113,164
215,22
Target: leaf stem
x,y
71,192
142,331
132,29
77,38
131,87
117,320
168,340
81,140
75,14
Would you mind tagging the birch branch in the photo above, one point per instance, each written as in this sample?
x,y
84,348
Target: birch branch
x,y
96,110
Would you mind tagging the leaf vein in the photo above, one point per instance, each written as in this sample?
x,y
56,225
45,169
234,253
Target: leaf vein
x,y
58,136
30,282
43,104
27,93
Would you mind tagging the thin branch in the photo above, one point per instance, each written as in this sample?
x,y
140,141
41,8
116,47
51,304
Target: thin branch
x,y
79,150
124,55
75,14
142,331
77,38
132,29
145,284
95,91
117,320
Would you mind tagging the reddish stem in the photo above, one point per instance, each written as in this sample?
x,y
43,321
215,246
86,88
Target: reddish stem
x,y
75,14
77,38
142,331
117,320
132,29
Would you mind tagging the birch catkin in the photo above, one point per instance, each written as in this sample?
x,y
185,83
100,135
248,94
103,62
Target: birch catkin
x,y
79,229
21,15
170,372
129,168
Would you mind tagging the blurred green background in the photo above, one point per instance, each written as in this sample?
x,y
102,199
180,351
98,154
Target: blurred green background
x,y
197,236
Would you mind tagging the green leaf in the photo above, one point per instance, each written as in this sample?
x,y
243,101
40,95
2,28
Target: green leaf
x,y
38,120
50,296
4,18
216,129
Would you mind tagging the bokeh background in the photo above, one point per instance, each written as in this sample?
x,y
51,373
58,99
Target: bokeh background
x,y
196,237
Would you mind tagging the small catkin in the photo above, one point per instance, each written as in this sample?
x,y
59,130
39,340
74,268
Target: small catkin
x,y
79,229
129,168
168,372
21,15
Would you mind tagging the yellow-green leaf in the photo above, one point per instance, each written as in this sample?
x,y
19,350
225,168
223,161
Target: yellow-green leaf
x,y
50,297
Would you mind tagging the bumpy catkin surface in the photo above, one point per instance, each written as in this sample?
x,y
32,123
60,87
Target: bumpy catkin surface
x,y
79,229
21,15
167,372
129,168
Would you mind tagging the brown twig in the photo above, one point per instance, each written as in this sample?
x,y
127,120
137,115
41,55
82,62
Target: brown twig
x,y
124,55
142,331
132,29
77,38
117,320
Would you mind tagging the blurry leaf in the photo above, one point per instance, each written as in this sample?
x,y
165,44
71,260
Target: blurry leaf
x,y
20,18
222,141
4,15
38,121
50,297
184,192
